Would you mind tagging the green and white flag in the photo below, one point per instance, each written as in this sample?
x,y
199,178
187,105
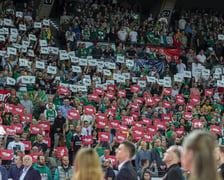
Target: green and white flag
x,y
82,88
11,50
111,65
44,50
23,62
2,53
46,22
107,72
187,74
37,25
130,62
51,70
42,43
32,37
16,45
73,88
110,82
142,83
10,81
220,83
126,75
40,65
2,38
74,59
160,82
13,38
82,62
76,69
7,22
120,59
151,79
92,62
22,27
26,43
19,14
13,31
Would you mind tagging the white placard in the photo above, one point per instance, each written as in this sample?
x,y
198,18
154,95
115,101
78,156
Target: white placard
x,y
216,76
28,79
82,88
120,78
111,65
32,37
73,88
64,56
71,53
11,50
16,45
23,49
87,82
6,31
160,82
178,78
218,70
151,79
120,59
10,81
46,22
54,50
44,50
19,14
37,25
40,65
130,62
220,83
100,63
126,75
13,38
25,43
221,37
23,62
74,59
205,72
7,22
30,53
2,53
187,74
110,82
82,62
107,72
76,69
51,70
2,38
142,83
92,62
13,31
167,82
42,43
134,79
22,27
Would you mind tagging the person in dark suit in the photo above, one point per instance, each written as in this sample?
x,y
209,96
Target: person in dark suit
x,y
29,173
124,153
171,158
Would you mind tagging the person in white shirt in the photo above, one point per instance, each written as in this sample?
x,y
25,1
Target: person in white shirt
x,y
201,57
181,67
86,128
133,35
16,145
122,34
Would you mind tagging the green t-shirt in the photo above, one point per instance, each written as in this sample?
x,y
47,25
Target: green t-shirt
x,y
100,151
100,34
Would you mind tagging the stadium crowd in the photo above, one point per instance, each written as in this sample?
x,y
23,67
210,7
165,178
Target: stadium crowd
x,y
57,99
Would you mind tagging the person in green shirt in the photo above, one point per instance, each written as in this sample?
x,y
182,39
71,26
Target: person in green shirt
x,y
89,102
100,33
45,172
50,113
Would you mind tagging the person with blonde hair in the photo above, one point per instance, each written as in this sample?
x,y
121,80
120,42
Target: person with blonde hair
x,y
87,165
197,156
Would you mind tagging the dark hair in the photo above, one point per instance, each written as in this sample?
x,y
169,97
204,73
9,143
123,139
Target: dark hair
x,y
38,157
143,161
130,147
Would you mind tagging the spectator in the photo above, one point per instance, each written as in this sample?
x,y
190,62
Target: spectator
x,y
65,171
152,169
64,109
16,145
27,104
15,170
109,174
45,172
97,51
42,147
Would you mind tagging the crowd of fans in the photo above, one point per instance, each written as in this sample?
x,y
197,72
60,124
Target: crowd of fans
x,y
99,98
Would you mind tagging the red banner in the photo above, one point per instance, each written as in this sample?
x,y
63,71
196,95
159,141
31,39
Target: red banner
x,y
47,141
35,129
87,140
195,99
137,133
138,124
179,99
63,90
168,52
146,121
18,127
101,123
187,115
121,137
111,88
167,117
27,145
151,129
189,106
73,114
134,115
4,94
18,110
197,124
101,116
215,129
27,117
95,97
179,132
11,131
114,124
103,136
45,125
112,159
149,101
147,137
61,152
6,154
110,95
166,104
140,100
167,91
123,128
161,125
128,120
35,155
208,92
134,106
89,110
135,88
121,93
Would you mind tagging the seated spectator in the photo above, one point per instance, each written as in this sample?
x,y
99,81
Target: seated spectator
x,y
97,51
